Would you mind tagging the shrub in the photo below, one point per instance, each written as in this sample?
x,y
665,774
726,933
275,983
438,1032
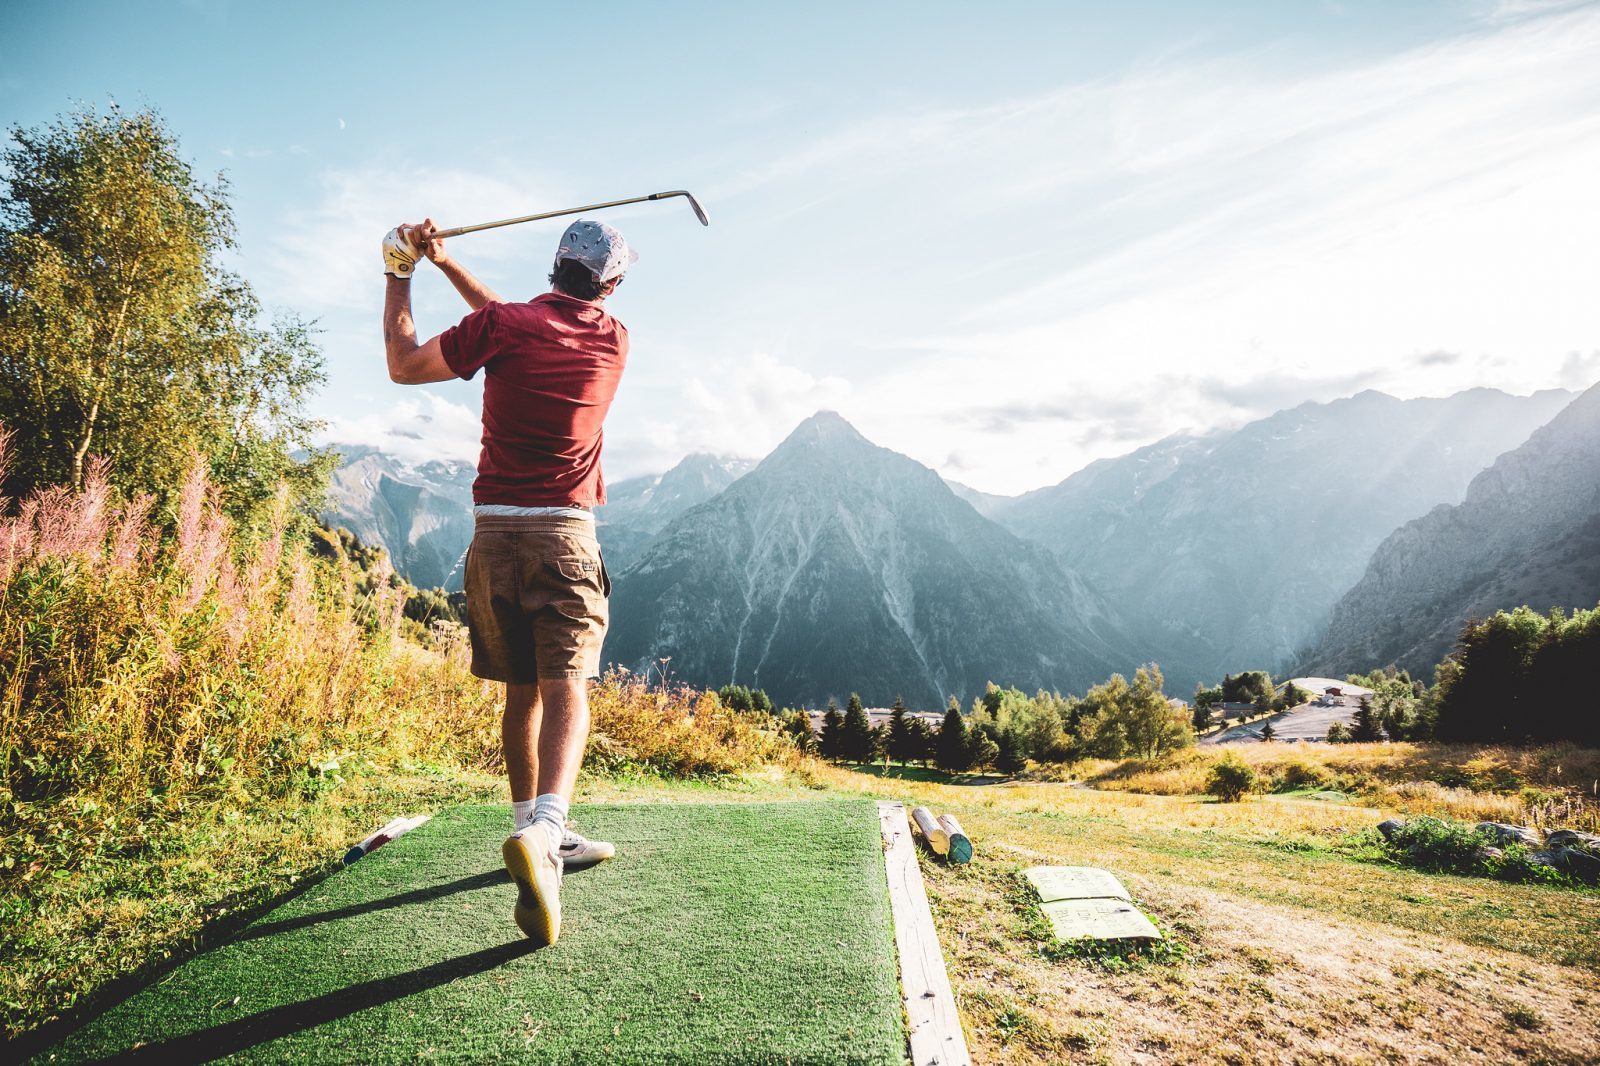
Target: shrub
x,y
1438,846
1300,775
1230,780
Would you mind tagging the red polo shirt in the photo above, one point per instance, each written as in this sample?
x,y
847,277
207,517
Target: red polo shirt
x,y
551,367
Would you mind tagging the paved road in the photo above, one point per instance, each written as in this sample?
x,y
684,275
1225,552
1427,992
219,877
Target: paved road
x,y
1305,722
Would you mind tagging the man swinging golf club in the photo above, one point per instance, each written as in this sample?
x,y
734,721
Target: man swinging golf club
x,y
536,584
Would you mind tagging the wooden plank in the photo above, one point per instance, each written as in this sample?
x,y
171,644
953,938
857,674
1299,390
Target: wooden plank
x,y
935,1026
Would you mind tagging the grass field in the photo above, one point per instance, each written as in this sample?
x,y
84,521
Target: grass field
x,y
1286,942
721,933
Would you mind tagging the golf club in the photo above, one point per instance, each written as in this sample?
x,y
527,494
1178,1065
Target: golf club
x,y
699,212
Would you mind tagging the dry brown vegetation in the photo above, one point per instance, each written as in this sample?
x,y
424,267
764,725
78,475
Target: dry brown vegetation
x,y
1285,947
1544,786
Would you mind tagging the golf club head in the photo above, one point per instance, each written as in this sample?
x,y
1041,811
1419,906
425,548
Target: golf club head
x,y
699,212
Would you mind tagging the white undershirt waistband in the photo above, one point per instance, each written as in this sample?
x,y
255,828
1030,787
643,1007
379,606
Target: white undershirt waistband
x,y
508,511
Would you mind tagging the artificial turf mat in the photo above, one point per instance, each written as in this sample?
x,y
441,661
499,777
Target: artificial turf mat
x,y
720,933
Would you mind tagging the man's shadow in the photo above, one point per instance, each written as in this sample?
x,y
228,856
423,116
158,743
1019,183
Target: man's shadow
x,y
231,1037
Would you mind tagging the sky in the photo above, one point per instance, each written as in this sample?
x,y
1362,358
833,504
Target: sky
x,y
1004,239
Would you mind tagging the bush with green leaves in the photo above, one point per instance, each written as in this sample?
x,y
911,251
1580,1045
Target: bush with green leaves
x,y
1437,845
1230,780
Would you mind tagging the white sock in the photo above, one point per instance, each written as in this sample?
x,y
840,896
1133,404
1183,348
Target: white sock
x,y
550,813
521,815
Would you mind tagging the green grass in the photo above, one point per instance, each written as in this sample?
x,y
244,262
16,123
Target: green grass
x,y
752,932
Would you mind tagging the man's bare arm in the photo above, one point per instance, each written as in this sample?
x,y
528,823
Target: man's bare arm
x,y
475,292
409,362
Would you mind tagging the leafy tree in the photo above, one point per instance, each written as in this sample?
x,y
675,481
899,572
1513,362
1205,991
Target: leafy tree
x,y
1400,704
856,739
901,744
1204,700
1364,727
124,338
1338,733
1117,719
1252,686
982,751
1521,676
1038,723
879,745
831,744
1008,753
951,743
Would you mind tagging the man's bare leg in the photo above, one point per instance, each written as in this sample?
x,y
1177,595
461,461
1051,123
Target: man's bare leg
x,y
561,735
519,738
544,731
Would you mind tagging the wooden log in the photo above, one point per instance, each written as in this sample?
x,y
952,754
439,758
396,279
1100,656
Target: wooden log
x,y
934,1025
932,832
958,845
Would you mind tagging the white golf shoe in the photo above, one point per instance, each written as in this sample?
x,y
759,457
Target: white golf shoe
x,y
578,851
538,879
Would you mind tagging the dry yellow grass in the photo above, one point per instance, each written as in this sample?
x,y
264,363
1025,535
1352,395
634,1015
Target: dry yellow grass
x,y
1538,786
1292,950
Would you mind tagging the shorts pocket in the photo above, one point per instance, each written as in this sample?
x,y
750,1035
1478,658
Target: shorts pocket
x,y
577,568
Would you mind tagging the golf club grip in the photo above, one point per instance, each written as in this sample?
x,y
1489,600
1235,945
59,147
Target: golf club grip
x,y
440,235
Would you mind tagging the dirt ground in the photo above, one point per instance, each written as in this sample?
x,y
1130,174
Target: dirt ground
x,y
1280,949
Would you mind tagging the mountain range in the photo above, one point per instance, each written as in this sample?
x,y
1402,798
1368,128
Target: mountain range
x,y
1528,532
1231,548
421,514
835,565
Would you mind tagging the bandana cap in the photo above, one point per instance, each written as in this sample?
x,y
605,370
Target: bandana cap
x,y
598,247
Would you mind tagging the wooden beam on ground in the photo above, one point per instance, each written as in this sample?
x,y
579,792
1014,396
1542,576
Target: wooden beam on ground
x,y
936,1036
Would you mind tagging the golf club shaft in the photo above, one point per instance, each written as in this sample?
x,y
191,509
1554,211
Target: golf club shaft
x,y
457,231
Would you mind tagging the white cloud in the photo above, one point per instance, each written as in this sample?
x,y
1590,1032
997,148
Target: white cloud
x,y
1042,281
327,257
1207,238
736,407
415,428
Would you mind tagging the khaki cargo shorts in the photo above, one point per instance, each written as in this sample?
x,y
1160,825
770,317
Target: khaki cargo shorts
x,y
536,598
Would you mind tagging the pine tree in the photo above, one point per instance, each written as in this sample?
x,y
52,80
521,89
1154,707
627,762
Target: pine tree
x,y
900,741
831,745
1009,759
1267,732
951,743
1365,727
857,732
922,742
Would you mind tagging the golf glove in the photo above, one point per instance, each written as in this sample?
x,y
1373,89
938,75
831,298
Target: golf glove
x,y
399,255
